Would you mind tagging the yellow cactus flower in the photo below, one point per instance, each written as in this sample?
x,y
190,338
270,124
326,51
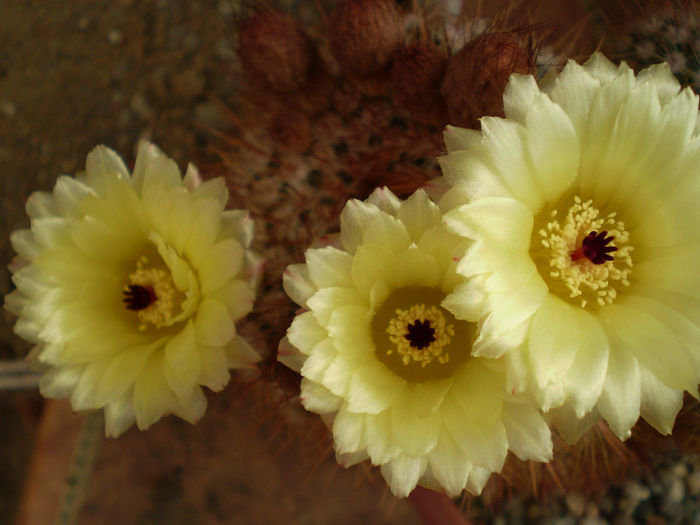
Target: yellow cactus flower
x,y
389,367
129,286
581,205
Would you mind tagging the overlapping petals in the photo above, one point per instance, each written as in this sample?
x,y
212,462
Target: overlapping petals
x,y
446,425
129,286
597,149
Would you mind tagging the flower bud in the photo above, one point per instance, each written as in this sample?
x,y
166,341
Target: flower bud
x,y
275,53
477,76
365,34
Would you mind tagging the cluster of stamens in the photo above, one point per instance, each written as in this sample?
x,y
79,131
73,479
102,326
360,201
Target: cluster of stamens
x,y
151,294
580,249
137,297
420,335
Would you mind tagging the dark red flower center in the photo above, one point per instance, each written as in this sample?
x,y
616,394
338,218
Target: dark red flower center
x,y
595,247
137,297
420,334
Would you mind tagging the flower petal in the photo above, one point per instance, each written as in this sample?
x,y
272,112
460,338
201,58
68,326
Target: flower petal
x,y
460,138
568,425
60,382
506,141
642,335
297,283
384,199
621,396
316,398
240,354
418,213
380,445
584,380
402,473
450,465
214,372
190,408
574,90
212,325
416,268
373,389
239,225
660,404
553,340
237,296
528,434
182,362
152,394
387,231
329,267
477,479
119,415
321,357
326,300
372,264
502,221
289,355
223,263
415,435
102,163
348,430
473,175
305,332
354,218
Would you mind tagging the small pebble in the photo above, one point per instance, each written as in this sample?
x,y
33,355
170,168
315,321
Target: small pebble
x,y
606,504
209,114
9,109
191,42
680,470
623,520
593,520
636,491
140,106
693,481
225,8
576,503
224,51
677,491
115,37
189,84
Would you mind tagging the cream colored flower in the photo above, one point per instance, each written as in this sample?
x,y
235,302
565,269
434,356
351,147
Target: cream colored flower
x,y
389,367
583,205
129,286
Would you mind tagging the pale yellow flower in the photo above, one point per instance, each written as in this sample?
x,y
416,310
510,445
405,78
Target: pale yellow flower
x,y
583,207
389,367
129,286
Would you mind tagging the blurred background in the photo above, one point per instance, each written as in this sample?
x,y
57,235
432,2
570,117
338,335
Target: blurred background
x,y
81,73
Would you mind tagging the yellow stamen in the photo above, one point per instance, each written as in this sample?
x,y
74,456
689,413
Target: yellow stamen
x,y
160,312
398,330
416,338
583,278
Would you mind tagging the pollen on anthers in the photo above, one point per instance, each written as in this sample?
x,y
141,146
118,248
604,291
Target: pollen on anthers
x,y
151,294
420,335
588,253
